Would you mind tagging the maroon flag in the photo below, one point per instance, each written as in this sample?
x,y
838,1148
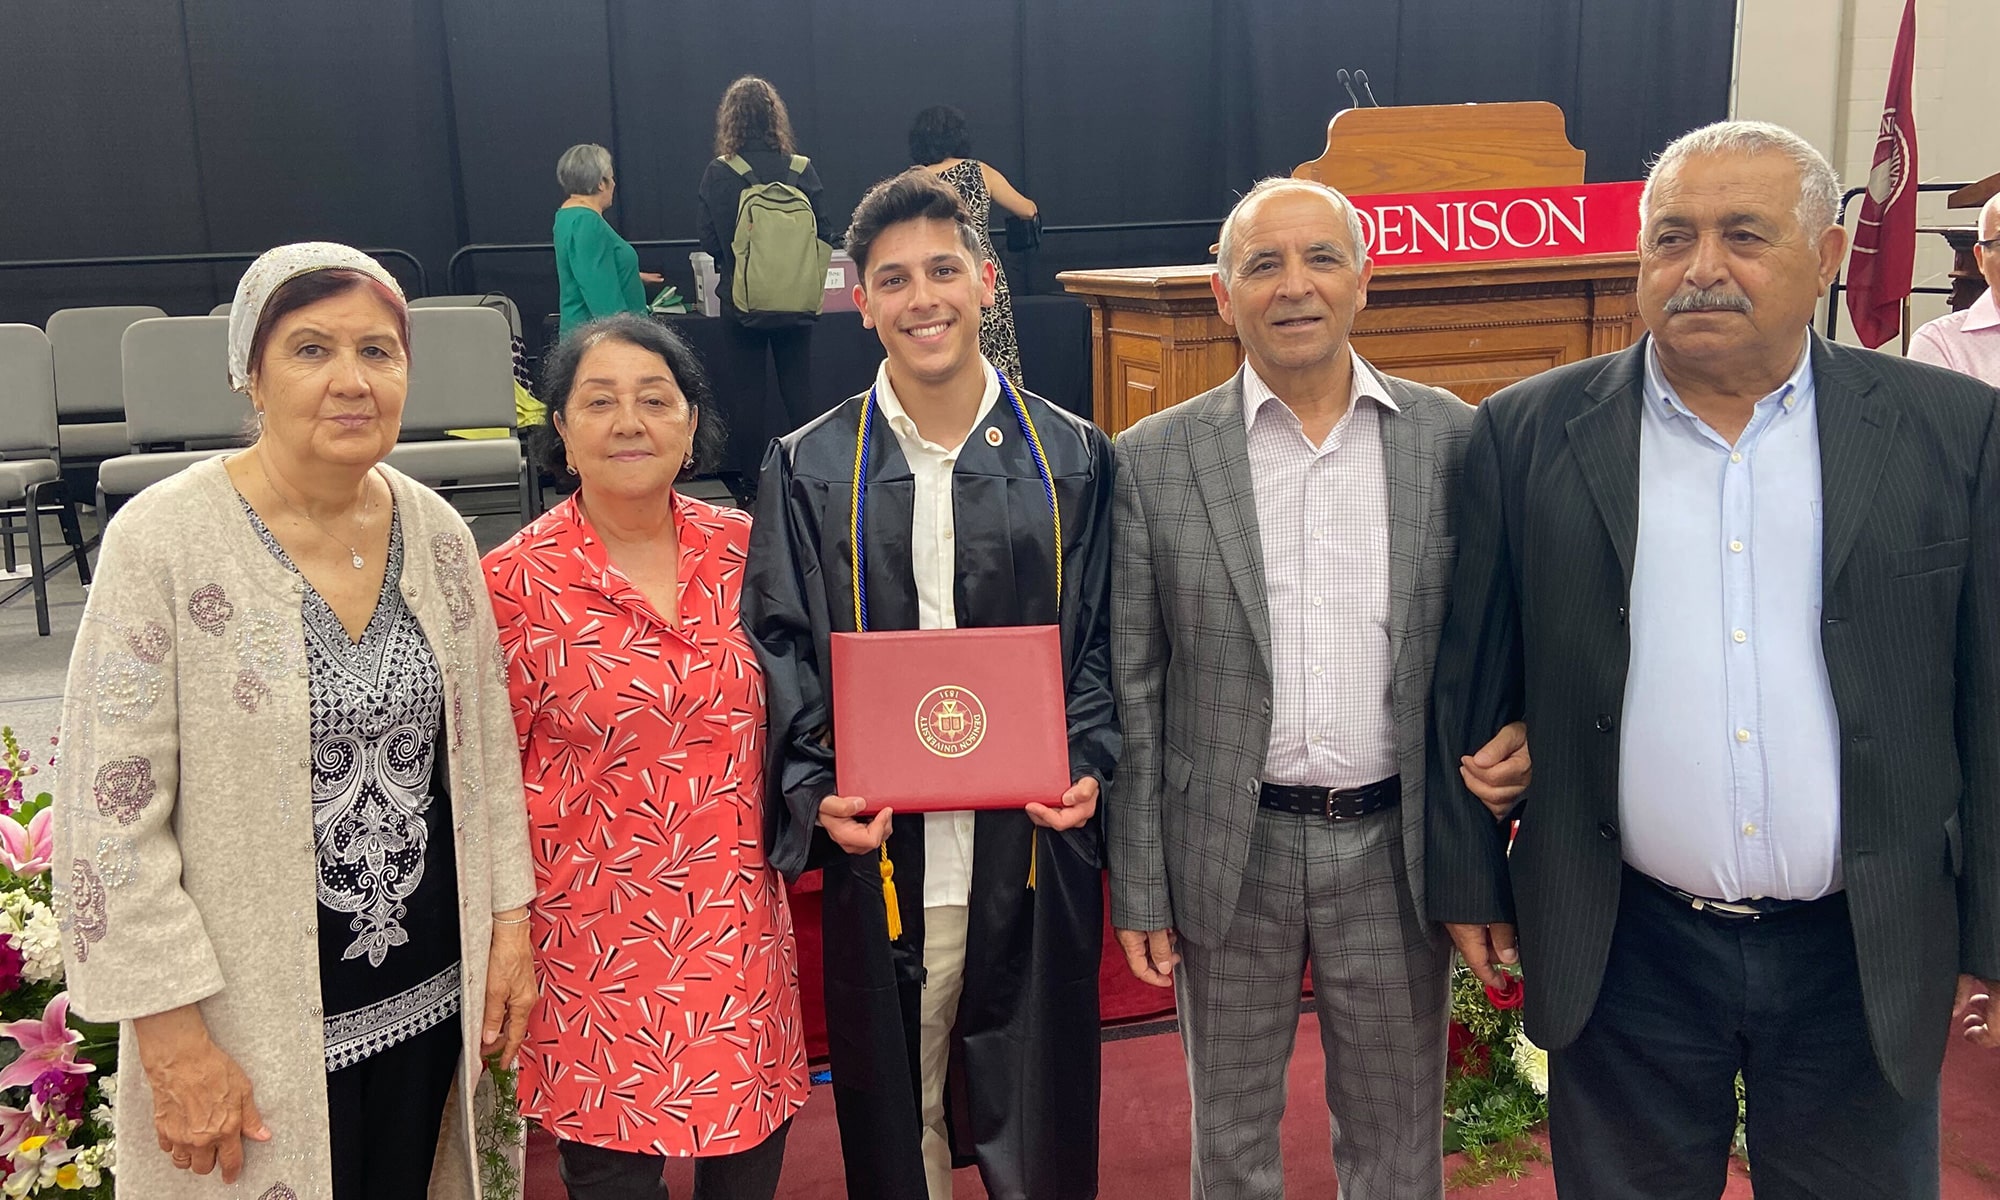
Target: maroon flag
x,y
1885,239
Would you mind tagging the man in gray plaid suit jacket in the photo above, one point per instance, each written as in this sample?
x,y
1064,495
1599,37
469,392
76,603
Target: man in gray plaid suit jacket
x,y
1282,549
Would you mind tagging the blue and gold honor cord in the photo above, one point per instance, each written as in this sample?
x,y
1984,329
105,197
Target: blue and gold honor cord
x,y
864,438
857,526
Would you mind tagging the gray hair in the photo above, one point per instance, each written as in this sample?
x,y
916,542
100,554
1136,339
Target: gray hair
x,y
1225,246
1819,184
583,169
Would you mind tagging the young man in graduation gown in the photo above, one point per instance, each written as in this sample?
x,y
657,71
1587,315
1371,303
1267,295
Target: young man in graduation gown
x,y
961,949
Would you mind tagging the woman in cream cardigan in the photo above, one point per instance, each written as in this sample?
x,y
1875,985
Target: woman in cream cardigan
x,y
291,846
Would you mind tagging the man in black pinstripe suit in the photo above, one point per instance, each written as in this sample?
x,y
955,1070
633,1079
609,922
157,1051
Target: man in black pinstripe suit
x,y
1744,586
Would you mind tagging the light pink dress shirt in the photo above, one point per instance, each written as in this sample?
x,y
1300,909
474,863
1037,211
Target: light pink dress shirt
x,y
1967,341
1323,519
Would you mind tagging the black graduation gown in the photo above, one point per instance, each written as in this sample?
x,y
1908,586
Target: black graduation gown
x,y
1023,1094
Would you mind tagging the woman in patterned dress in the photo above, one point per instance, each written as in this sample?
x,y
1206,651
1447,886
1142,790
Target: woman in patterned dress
x,y
669,1019
292,818
939,144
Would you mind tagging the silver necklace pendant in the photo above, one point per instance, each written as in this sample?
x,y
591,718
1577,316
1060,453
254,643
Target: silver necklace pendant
x,y
356,560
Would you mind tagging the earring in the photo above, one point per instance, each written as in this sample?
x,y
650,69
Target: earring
x,y
687,464
570,466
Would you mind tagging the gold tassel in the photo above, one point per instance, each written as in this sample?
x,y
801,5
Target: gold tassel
x,y
889,904
1034,851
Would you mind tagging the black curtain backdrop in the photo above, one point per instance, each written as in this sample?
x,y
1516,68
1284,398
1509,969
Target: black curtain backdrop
x,y
173,126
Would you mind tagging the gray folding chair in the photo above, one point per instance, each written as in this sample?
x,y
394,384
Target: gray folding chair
x,y
90,378
179,409
498,301
222,309
462,377
30,463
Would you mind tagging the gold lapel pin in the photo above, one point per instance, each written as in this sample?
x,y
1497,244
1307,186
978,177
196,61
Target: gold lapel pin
x,y
992,435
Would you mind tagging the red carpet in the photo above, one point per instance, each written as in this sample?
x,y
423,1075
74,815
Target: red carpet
x,y
1121,998
1145,1124
1145,1110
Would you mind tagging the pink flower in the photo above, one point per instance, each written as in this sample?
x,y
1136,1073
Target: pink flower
x,y
45,1045
59,1092
11,963
26,849
17,1125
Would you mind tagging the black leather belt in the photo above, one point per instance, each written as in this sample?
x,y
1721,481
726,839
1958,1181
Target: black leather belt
x,y
1730,910
1335,804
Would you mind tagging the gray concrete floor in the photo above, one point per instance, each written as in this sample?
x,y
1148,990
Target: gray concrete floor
x,y
32,668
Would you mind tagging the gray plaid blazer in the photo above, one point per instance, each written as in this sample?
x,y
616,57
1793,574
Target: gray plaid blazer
x,y
1191,644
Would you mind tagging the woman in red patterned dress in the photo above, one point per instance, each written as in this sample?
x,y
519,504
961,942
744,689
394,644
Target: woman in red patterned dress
x,y
668,1023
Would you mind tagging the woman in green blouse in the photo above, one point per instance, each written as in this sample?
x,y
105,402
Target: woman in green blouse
x,y
597,271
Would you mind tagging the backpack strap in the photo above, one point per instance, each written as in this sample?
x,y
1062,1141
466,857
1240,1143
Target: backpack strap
x,y
799,164
741,165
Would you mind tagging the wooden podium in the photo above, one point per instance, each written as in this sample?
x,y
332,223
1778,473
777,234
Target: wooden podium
x,y
1966,281
1472,328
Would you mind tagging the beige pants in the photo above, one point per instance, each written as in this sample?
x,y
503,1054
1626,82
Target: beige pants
x,y
944,976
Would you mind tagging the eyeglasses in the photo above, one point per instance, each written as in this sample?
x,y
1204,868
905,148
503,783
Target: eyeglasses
x,y
1990,245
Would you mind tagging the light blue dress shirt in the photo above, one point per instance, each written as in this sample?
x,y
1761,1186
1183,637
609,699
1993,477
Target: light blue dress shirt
x,y
1729,779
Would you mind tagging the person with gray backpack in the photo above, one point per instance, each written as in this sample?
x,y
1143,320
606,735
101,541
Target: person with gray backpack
x,y
762,219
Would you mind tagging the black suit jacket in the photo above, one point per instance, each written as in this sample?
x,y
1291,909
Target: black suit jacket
x,y
1910,468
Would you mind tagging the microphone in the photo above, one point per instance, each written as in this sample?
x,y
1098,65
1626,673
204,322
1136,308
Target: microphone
x,y
1361,77
1354,101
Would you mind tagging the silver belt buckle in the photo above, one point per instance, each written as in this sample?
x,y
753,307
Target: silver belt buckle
x,y
1726,908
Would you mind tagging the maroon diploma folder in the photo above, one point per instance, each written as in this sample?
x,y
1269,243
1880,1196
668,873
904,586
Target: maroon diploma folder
x,y
939,720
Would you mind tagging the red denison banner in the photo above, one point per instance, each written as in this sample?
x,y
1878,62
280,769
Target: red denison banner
x,y
1497,224
1885,238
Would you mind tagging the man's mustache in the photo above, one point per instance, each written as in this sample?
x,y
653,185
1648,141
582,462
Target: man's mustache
x,y
1708,300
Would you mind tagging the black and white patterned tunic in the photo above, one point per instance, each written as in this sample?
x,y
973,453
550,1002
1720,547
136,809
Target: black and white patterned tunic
x,y
997,340
388,920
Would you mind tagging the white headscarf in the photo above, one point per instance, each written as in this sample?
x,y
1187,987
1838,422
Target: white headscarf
x,y
271,271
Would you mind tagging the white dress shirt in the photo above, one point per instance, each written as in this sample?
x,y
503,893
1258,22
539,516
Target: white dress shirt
x,y
934,564
1323,519
1729,759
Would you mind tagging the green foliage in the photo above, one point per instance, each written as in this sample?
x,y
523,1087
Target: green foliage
x,y
1740,1144
1490,1026
500,1131
1508,1159
1491,1108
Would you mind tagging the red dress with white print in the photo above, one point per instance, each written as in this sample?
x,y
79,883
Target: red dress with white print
x,y
669,1013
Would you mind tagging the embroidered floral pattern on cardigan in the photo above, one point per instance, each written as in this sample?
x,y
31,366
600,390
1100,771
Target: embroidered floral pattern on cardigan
x,y
267,644
454,580
117,860
209,608
124,787
127,686
87,923
250,691
151,643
